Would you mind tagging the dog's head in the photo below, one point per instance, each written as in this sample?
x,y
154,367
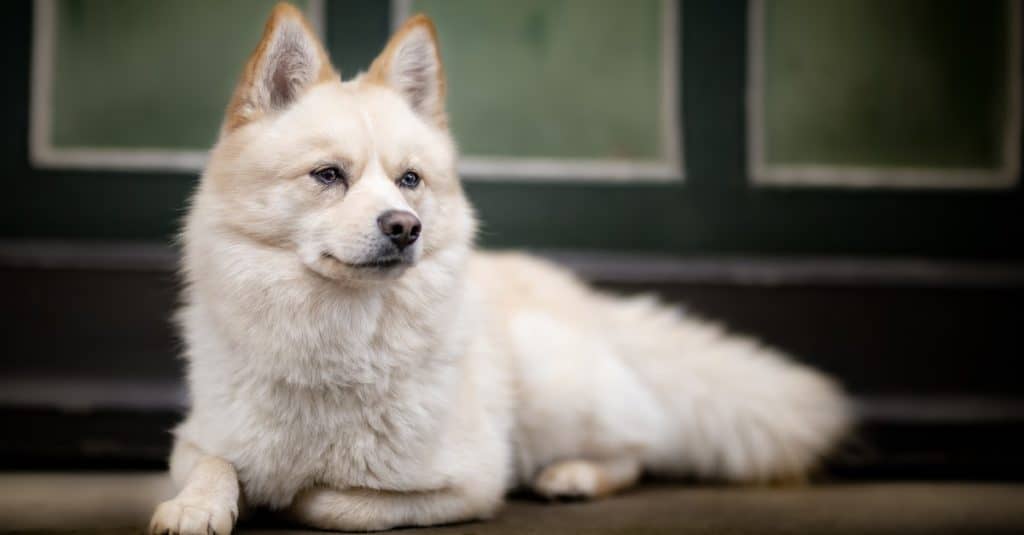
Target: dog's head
x,y
356,178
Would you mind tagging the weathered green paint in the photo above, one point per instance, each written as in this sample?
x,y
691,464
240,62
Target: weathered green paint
x,y
552,78
910,83
132,74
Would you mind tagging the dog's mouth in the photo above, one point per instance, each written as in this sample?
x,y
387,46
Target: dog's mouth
x,y
387,264
380,263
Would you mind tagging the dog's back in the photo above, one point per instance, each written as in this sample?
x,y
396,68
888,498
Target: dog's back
x,y
603,377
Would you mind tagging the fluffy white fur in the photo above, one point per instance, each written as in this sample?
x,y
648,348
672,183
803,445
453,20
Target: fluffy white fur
x,y
363,399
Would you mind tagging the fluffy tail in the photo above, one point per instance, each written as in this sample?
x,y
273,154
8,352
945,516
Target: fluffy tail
x,y
739,411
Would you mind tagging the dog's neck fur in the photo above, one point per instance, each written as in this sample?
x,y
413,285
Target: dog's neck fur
x,y
310,332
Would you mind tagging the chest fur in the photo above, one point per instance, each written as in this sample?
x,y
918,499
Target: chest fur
x,y
284,439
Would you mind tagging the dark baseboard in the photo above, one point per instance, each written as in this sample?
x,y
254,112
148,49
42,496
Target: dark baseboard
x,y
47,438
89,372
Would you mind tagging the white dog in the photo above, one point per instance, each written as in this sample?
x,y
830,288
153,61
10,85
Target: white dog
x,y
354,363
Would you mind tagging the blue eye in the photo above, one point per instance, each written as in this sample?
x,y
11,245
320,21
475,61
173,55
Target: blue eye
x,y
409,180
328,175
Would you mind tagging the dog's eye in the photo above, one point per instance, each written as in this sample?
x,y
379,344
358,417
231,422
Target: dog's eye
x,y
328,175
409,180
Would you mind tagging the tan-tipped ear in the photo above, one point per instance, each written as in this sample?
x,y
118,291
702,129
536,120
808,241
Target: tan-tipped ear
x,y
411,64
288,60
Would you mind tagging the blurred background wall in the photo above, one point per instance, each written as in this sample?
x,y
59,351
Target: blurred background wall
x,y
841,179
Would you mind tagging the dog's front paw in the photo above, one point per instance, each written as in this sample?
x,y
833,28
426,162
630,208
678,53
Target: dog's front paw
x,y
569,479
192,517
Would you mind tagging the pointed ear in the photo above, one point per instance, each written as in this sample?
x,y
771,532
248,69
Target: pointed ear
x,y
411,64
288,60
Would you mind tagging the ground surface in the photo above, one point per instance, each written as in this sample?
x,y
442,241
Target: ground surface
x,y
121,503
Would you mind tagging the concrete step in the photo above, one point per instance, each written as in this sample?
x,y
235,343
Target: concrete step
x,y
122,502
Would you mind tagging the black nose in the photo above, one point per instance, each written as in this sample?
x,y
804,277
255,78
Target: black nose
x,y
401,227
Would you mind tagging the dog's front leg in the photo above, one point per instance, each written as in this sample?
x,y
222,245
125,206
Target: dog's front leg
x,y
208,502
360,509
